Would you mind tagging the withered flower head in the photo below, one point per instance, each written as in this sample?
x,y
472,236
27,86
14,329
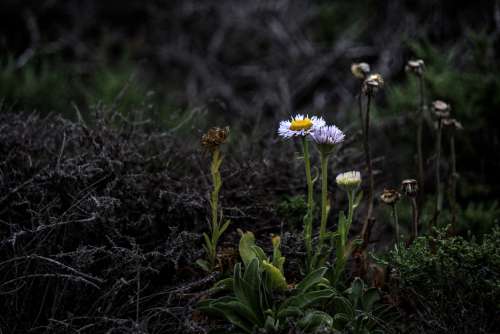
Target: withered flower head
x,y
390,196
441,109
373,83
214,137
415,66
409,187
453,124
360,70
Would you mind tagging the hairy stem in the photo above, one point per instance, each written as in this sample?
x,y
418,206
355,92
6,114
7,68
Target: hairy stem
x,y
453,183
310,202
368,161
324,198
439,196
396,222
414,210
420,157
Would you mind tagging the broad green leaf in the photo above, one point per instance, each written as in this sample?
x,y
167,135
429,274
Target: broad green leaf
x,y
308,298
241,309
259,253
247,254
355,292
290,311
370,297
236,319
314,319
312,279
277,280
247,286
343,306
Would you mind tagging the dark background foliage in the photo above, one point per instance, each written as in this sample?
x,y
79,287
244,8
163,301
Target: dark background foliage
x,y
104,102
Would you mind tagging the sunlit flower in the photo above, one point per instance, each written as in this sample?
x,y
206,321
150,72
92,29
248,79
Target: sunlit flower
x,y
328,135
300,125
390,196
360,70
349,180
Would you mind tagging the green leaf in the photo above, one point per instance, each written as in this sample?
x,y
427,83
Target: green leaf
x,y
224,227
315,319
224,284
370,297
247,241
259,253
311,280
247,287
355,292
234,317
306,299
208,242
290,311
276,278
203,264
340,321
343,306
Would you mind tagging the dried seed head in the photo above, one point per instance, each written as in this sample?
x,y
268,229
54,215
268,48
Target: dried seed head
x,y
415,66
390,196
441,109
214,137
360,70
452,124
372,84
409,187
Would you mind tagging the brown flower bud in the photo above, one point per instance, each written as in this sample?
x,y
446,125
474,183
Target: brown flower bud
x,y
409,187
390,196
415,66
214,137
360,70
373,83
441,109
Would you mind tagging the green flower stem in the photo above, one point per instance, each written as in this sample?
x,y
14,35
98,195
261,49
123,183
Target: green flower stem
x,y
215,229
310,203
439,197
368,160
217,182
454,176
420,158
350,195
324,198
396,223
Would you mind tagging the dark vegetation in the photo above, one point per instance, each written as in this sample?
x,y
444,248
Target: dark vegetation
x,y
104,188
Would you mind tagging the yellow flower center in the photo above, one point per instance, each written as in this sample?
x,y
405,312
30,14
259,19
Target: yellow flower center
x,y
301,124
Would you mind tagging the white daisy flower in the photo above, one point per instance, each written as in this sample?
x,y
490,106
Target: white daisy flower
x,y
300,125
349,180
327,135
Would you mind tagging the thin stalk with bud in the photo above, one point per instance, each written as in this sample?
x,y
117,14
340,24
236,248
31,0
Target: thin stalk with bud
x,y
212,141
